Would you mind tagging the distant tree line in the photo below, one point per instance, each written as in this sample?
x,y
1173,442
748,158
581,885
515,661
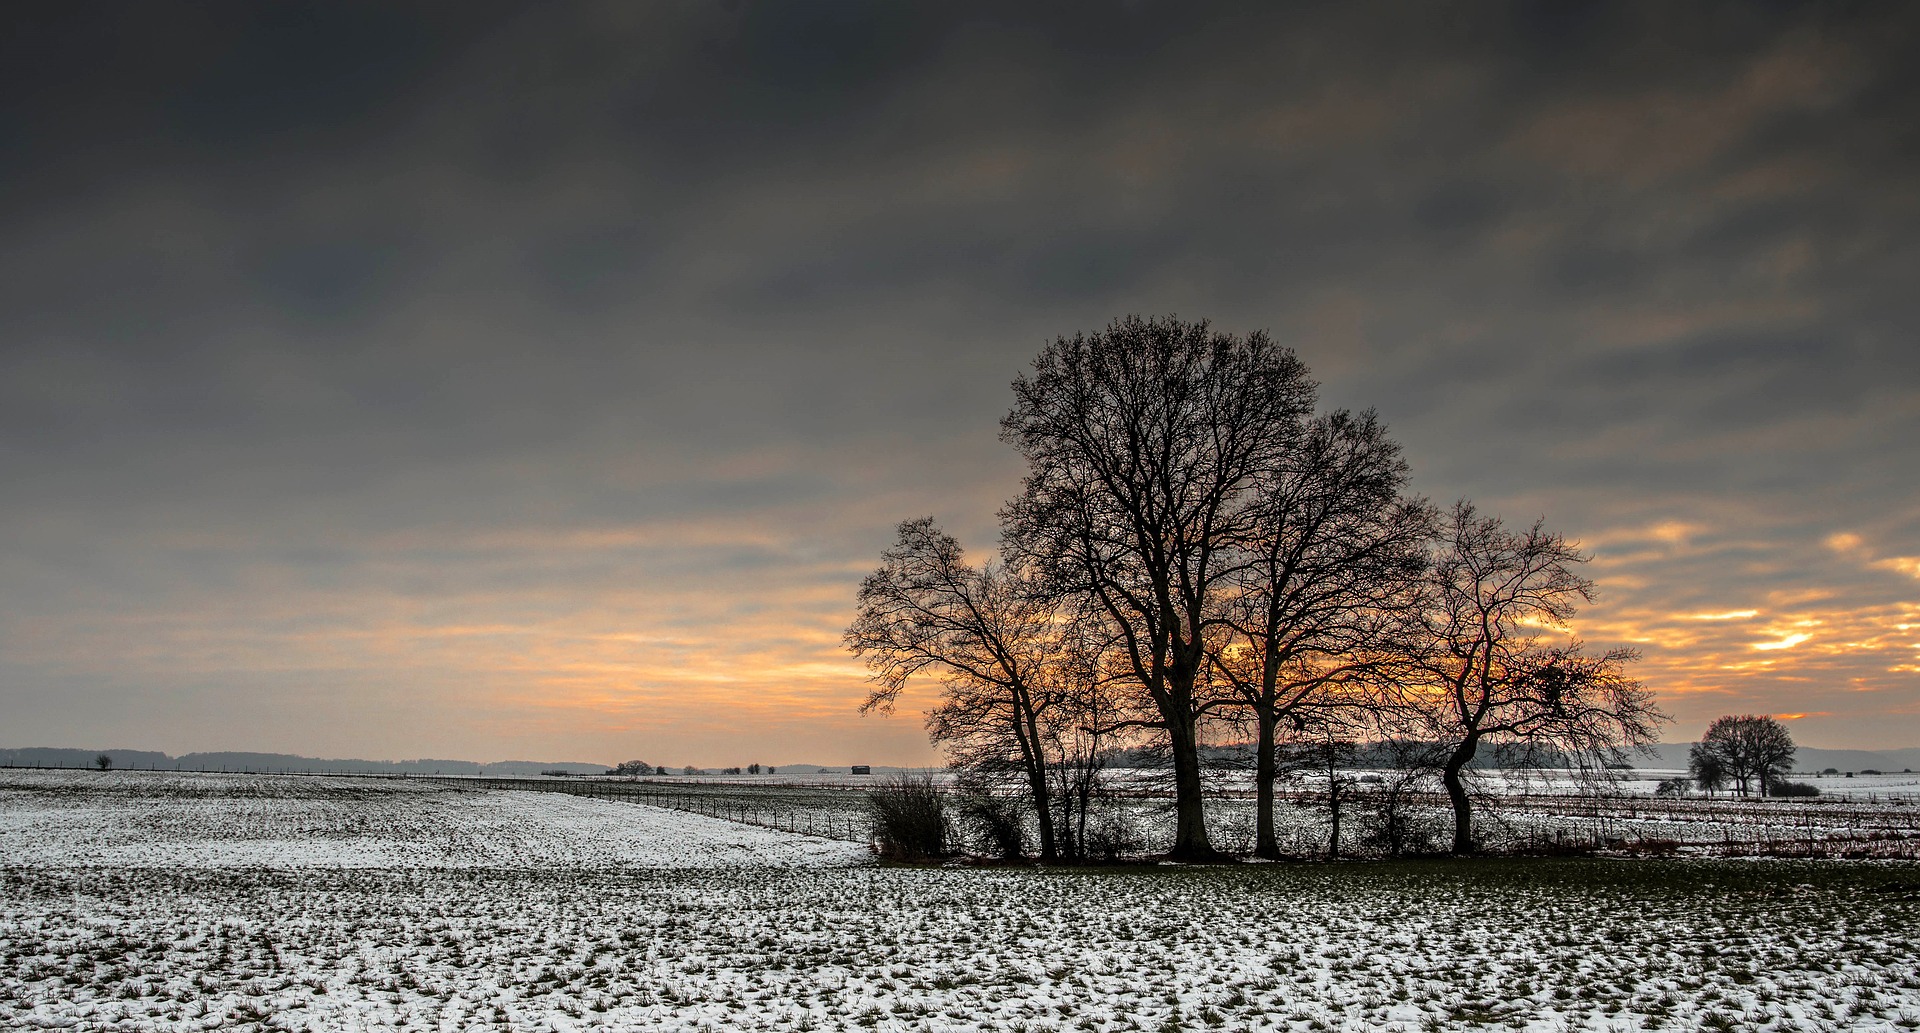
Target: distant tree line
x,y
634,768
1197,550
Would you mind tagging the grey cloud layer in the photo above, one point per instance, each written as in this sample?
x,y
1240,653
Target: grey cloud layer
x,y
287,283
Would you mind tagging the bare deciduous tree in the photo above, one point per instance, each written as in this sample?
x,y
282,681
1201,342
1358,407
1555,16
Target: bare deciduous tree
x,y
1331,553
1744,750
992,637
1492,677
1078,734
1144,443
1705,769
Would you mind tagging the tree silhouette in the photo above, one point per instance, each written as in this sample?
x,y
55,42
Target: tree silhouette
x,y
1491,675
991,634
1144,445
1744,750
1331,554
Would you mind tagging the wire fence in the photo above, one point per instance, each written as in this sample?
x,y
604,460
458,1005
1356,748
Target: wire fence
x,y
1856,826
822,809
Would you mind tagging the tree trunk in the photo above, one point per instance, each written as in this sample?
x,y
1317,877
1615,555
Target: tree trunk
x,y
1190,840
1037,780
1457,795
1080,829
1265,772
1333,805
1043,813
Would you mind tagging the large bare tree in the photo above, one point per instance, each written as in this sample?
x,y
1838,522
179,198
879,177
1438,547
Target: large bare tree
x,y
1145,443
996,642
1333,551
1493,674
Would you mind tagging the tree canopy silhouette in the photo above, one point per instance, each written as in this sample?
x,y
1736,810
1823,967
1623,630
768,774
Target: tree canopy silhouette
x,y
1145,446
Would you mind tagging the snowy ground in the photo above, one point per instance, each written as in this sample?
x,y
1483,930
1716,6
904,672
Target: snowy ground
x,y
200,902
128,819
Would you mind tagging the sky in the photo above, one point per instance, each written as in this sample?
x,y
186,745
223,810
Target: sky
x,y
514,381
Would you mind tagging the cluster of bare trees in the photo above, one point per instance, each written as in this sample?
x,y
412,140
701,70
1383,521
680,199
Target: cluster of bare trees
x,y
1742,750
1196,551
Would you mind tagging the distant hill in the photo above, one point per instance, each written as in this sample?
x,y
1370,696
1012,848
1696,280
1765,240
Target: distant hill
x,y
48,757
1807,758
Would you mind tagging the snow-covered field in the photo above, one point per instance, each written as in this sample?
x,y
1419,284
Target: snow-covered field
x,y
169,902
128,819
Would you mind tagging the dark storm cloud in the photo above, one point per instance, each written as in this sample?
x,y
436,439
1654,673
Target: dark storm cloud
x,y
336,310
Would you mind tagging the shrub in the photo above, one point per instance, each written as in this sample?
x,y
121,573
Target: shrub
x,y
909,818
1673,787
1388,826
997,822
1112,833
1795,789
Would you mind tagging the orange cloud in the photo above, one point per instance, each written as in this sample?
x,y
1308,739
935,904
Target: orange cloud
x,y
1786,643
1806,636
1908,565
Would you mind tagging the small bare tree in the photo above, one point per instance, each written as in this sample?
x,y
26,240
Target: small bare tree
x,y
1405,765
1706,770
1324,746
992,637
1490,674
1079,734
